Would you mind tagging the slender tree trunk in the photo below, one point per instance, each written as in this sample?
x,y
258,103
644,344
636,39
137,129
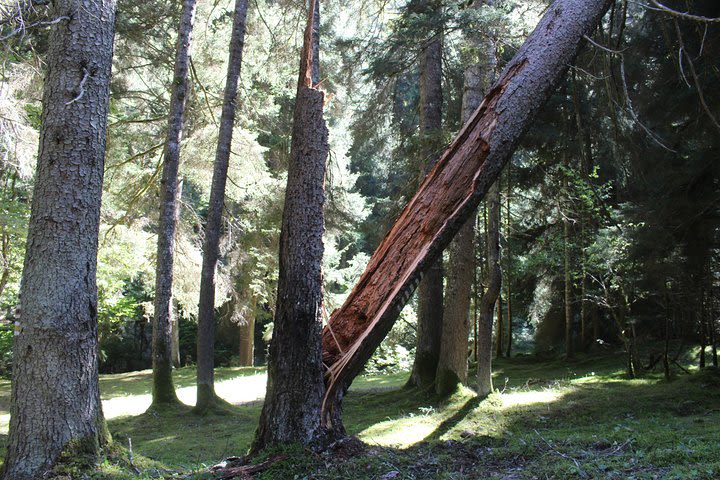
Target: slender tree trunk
x,y
595,315
476,295
174,320
585,164
247,337
295,388
430,291
55,404
508,260
500,333
703,328
163,388
175,340
492,294
206,398
569,351
666,350
712,326
450,194
453,362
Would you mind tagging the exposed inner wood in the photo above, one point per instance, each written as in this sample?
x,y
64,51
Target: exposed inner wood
x,y
427,221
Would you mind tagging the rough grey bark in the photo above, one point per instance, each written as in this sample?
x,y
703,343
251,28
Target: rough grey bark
x,y
163,388
291,412
55,405
430,291
453,363
206,397
490,298
450,194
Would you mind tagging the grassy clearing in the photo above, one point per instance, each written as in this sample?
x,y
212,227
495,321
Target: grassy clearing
x,y
549,419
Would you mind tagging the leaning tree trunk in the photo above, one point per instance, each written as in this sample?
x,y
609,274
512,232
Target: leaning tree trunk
x,y
295,388
491,296
206,398
163,388
450,194
55,404
453,362
430,291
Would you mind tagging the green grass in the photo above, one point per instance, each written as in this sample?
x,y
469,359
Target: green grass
x,y
548,419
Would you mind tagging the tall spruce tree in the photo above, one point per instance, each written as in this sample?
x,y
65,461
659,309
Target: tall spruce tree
x,y
430,291
55,404
206,397
453,362
163,388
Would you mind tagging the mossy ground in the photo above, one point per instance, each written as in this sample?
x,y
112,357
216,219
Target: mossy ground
x,y
549,419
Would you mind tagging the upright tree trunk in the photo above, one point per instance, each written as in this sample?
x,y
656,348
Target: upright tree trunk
x,y
430,291
453,361
175,327
295,388
55,404
508,260
450,194
163,388
174,320
247,338
487,304
569,351
206,398
585,164
500,333
666,350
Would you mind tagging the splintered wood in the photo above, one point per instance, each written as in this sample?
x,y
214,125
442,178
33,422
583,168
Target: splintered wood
x,y
450,193
425,225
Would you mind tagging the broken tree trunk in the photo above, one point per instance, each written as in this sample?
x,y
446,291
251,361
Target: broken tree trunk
x,y
449,195
291,412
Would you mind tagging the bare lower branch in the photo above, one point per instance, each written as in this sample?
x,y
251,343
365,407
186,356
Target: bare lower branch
x,y
86,75
685,15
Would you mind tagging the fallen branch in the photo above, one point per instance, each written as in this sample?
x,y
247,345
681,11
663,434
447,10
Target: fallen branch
x,y
246,471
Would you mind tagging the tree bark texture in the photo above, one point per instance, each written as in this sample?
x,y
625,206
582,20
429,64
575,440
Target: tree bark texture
x,y
211,249
453,362
491,296
430,291
55,405
163,388
291,412
450,194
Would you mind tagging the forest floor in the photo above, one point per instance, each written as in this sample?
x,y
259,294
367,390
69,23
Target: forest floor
x,y
548,419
